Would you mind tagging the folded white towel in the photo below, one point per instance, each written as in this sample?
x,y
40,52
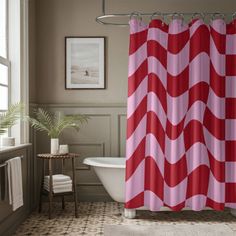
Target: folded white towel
x,y
58,183
60,190
58,187
14,174
58,178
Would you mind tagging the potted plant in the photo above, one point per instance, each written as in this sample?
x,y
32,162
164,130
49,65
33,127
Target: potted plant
x,y
53,124
7,120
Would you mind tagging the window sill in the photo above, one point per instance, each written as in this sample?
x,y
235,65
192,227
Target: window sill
x,y
14,148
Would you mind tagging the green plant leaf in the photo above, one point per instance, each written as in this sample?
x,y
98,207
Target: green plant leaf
x,y
54,124
9,118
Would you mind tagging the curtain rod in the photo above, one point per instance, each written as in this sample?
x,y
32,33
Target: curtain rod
x,y
100,19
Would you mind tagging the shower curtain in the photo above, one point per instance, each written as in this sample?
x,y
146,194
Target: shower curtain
x,y
181,116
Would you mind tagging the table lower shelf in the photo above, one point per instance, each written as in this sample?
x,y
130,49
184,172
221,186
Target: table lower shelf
x,y
46,192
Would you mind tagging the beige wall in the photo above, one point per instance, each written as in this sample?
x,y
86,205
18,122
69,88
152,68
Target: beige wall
x,y
56,19
32,51
59,18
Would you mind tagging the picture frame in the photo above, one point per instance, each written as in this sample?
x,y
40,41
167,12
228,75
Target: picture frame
x,y
85,63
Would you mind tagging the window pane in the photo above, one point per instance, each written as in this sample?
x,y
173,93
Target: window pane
x,y
5,134
3,74
3,28
3,98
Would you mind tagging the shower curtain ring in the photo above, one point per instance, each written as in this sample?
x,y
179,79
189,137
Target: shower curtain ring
x,y
202,16
163,20
182,18
158,14
178,15
173,15
214,15
136,14
233,17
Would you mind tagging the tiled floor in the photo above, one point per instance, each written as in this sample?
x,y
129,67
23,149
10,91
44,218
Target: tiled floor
x,y
93,217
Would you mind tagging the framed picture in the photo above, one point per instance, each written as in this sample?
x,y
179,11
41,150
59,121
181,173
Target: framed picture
x,y
85,62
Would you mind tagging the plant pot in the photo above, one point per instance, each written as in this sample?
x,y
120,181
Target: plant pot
x,y
8,141
63,149
54,145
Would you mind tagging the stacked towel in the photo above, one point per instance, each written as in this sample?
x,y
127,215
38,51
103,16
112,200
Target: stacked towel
x,y
60,183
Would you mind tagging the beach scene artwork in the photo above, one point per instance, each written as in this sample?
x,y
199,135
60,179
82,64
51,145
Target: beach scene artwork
x,y
85,63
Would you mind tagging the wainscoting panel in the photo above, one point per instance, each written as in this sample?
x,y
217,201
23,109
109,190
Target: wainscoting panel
x,y
86,150
122,134
102,136
84,173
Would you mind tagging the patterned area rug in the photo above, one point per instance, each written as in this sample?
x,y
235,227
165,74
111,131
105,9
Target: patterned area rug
x,y
94,215
169,230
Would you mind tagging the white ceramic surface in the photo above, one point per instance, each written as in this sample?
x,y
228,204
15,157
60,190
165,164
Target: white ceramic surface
x,y
8,141
63,149
54,145
111,172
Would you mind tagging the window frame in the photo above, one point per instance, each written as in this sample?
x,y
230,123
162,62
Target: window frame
x,y
17,61
5,61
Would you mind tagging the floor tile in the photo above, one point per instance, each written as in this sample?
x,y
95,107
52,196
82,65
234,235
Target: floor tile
x,y
93,217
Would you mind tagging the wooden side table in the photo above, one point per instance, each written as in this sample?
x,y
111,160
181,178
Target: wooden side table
x,y
50,158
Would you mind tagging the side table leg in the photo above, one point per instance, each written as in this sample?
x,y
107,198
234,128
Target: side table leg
x,y
63,202
62,197
41,189
50,187
74,187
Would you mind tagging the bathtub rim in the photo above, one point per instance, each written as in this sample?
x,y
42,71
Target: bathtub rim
x,y
94,161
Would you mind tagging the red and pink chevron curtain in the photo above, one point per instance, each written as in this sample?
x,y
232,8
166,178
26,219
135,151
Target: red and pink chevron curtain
x,y
181,118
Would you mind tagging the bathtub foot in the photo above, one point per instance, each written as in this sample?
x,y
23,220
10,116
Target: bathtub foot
x,y
129,213
233,212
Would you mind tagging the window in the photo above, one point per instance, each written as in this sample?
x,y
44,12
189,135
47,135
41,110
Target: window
x,y
4,61
14,61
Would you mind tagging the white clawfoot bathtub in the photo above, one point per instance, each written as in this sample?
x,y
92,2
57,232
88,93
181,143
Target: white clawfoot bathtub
x,y
111,172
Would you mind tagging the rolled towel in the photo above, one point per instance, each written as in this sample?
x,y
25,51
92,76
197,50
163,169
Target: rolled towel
x,y
67,187
60,189
57,178
58,183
